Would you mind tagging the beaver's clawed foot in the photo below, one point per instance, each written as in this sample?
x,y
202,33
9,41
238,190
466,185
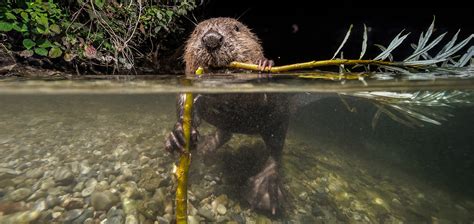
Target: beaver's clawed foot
x,y
175,140
265,190
264,64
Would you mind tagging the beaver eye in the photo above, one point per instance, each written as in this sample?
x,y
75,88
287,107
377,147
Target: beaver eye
x,y
236,28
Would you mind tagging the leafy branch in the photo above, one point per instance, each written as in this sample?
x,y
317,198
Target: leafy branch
x,y
418,61
408,108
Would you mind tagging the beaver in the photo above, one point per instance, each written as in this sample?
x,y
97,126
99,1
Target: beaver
x,y
215,43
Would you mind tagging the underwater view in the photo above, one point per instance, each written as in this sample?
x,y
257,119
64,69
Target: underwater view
x,y
93,151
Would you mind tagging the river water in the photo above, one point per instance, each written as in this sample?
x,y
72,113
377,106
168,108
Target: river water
x,y
91,150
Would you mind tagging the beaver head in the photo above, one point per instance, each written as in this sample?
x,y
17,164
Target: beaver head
x,y
218,41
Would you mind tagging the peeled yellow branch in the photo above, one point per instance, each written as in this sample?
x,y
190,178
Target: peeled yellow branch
x,y
185,159
310,64
184,162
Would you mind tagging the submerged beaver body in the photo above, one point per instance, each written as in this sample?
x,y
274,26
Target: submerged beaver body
x,y
215,43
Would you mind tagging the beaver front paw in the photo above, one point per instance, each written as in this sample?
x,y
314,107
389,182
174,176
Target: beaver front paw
x,y
264,64
175,140
265,191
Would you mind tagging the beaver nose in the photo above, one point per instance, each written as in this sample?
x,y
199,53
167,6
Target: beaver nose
x,y
212,39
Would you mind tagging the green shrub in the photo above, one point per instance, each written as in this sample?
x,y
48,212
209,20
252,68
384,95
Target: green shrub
x,y
38,24
93,31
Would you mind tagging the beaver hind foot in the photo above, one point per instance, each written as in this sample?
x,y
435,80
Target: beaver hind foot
x,y
265,190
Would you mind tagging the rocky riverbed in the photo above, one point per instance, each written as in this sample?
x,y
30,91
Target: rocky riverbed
x,y
100,159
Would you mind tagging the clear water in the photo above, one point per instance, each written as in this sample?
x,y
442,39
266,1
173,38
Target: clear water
x,y
85,151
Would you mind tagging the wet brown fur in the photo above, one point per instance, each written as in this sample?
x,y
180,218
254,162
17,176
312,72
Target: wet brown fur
x,y
239,44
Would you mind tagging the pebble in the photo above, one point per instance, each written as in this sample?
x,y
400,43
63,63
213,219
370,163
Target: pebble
x,y
20,217
86,192
47,184
206,213
85,168
55,215
40,206
52,200
131,219
34,173
20,194
73,203
162,220
115,216
193,219
221,209
103,200
63,176
88,213
72,214
37,195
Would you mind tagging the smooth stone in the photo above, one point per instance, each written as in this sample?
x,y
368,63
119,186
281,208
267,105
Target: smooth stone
x,y
131,219
73,203
88,213
221,209
86,192
34,173
20,217
55,215
37,195
162,220
71,215
7,208
52,200
20,194
85,168
193,219
103,200
90,183
115,216
79,186
63,176
47,184
40,206
206,213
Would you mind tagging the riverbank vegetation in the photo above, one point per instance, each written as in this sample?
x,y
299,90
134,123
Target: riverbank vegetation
x,y
96,36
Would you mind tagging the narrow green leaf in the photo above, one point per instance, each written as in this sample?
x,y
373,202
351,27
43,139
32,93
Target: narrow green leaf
x,y
455,49
343,42
5,27
382,48
423,62
394,44
364,42
424,39
450,44
41,51
465,58
419,52
55,52
28,43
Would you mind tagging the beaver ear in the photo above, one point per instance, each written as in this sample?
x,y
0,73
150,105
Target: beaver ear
x,y
236,28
